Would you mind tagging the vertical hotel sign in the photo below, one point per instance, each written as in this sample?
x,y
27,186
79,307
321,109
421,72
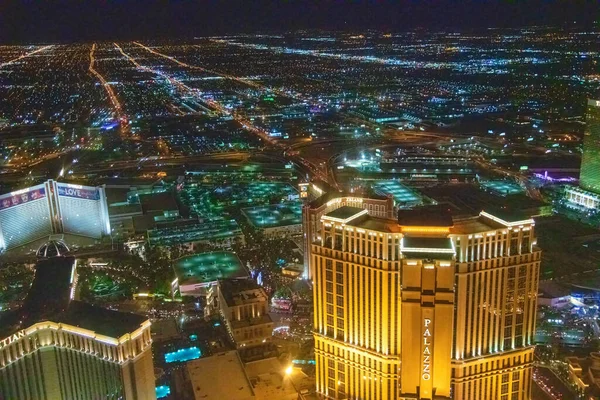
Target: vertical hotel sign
x,y
426,385
427,337
426,370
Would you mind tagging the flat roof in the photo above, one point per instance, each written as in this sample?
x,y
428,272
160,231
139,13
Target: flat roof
x,y
427,247
208,267
376,224
124,209
367,194
209,200
503,188
241,291
468,200
344,212
219,377
282,214
425,216
263,319
162,201
271,382
470,225
185,231
434,243
101,320
507,215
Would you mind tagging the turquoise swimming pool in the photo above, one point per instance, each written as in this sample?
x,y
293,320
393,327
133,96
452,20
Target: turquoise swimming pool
x,y
182,355
162,391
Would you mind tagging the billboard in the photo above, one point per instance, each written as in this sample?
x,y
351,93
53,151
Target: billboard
x,y
82,210
25,216
303,190
79,192
21,197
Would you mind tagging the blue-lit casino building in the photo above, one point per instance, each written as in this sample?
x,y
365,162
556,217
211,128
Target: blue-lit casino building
x,y
52,208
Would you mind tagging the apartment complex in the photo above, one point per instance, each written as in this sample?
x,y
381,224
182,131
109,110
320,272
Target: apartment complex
x,y
424,307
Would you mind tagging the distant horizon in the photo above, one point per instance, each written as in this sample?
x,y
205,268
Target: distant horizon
x,y
333,32
69,21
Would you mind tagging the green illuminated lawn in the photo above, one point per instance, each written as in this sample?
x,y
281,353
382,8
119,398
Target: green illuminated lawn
x,y
401,193
209,200
275,215
208,267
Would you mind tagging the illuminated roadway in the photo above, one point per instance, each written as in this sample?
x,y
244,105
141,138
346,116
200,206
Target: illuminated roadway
x,y
109,90
22,56
196,67
391,136
213,72
246,124
395,135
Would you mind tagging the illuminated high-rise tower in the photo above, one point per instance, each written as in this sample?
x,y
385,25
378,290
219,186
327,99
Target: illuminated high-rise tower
x,y
424,307
590,161
587,196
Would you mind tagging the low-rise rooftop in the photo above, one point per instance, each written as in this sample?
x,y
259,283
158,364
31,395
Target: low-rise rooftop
x,y
237,292
220,377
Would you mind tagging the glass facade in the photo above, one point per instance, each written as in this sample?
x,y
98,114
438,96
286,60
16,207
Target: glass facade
x,y
590,162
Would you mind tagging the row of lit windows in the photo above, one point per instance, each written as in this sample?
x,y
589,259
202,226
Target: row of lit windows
x,y
80,375
344,372
485,316
492,246
77,342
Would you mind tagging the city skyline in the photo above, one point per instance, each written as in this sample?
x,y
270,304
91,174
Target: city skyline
x,y
299,200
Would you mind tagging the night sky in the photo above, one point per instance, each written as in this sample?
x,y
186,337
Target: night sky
x,y
68,21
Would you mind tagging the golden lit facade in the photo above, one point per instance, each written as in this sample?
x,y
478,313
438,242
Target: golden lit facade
x,y
314,210
55,347
53,361
439,310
